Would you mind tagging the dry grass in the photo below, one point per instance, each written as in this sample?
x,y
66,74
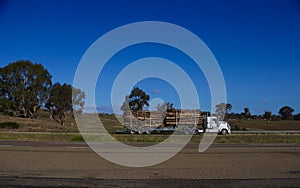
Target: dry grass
x,y
259,138
41,124
25,136
69,131
265,125
45,124
234,138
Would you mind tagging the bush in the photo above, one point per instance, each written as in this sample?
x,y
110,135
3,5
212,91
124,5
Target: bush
x,y
244,129
235,128
10,113
12,125
297,117
77,138
238,128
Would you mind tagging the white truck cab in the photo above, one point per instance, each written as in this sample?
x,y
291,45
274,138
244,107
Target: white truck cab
x,y
212,124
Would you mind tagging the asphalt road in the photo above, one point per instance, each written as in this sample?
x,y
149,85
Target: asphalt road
x,y
50,164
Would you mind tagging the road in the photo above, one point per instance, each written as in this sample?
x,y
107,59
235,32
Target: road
x,y
29,164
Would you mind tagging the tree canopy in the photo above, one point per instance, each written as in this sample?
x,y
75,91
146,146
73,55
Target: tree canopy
x,y
247,113
125,106
60,101
222,109
267,115
286,112
24,87
138,99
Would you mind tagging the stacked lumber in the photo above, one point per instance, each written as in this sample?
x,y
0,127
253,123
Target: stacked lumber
x,y
172,117
143,119
183,117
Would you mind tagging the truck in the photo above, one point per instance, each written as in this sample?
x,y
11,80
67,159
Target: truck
x,y
185,121
213,124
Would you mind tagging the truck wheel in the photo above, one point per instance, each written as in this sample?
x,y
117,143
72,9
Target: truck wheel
x,y
224,132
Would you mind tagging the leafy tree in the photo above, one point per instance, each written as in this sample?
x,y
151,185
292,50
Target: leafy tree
x,y
247,113
25,85
138,99
5,104
267,115
228,108
162,108
297,117
286,112
78,97
125,106
222,109
275,118
60,101
165,106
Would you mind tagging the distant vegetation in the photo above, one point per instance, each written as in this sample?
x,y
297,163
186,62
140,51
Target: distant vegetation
x,y
285,120
26,87
12,125
284,113
136,100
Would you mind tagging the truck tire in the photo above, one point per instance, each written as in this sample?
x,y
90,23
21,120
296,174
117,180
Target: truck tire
x,y
224,132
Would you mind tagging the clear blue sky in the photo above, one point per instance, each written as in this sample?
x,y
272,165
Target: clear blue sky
x,y
256,43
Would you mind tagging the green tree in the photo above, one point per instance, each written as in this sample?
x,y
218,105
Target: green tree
x,y
138,99
286,112
60,101
267,115
125,106
164,107
5,104
297,117
222,109
25,85
78,97
228,108
247,113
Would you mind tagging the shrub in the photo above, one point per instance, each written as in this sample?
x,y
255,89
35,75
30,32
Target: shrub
x,y
12,125
238,128
77,138
297,117
10,113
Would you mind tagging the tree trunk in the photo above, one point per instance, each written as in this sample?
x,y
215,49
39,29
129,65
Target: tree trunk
x,y
62,118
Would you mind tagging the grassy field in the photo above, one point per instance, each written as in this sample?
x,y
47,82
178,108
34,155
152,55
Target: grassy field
x,y
45,124
41,124
38,136
71,137
46,129
265,125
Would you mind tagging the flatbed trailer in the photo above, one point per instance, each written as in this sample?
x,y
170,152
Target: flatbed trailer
x,y
185,121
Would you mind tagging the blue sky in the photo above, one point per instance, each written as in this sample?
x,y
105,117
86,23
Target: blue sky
x,y
256,43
